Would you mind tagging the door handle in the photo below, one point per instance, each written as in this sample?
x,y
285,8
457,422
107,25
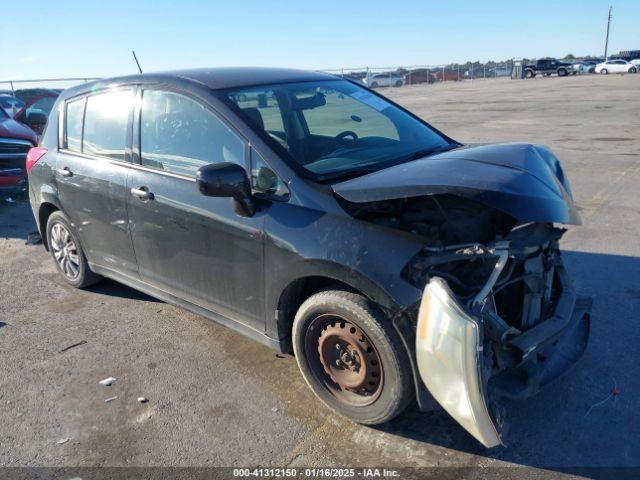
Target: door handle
x,y
65,172
142,193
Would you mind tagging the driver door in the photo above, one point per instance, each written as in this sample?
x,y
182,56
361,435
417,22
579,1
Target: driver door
x,y
194,247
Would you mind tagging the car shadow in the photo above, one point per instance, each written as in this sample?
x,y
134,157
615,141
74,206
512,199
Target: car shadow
x,y
114,289
586,422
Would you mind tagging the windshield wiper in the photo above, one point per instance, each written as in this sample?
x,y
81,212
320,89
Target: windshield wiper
x,y
347,174
425,152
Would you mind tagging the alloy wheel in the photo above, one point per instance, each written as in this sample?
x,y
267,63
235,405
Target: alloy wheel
x,y
65,251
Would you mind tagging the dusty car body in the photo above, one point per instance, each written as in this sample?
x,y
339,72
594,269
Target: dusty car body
x,y
397,263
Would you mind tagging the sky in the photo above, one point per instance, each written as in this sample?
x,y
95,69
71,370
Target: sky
x,y
70,38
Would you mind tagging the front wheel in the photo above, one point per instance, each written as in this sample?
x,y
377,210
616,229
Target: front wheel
x,y
374,85
67,253
633,70
562,72
352,357
398,83
603,71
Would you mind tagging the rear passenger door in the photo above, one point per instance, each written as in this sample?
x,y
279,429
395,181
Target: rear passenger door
x,y
191,246
91,172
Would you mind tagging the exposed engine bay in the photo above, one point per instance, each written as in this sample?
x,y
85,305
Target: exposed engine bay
x,y
509,277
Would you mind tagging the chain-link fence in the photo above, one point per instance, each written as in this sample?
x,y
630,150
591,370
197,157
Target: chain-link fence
x,y
377,77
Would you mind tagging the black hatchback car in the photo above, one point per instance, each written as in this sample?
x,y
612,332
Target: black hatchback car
x,y
315,216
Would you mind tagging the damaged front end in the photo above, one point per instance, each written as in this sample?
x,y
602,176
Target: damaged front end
x,y
499,315
507,335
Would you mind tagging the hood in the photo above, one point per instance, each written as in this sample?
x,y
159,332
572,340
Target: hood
x,y
10,128
522,180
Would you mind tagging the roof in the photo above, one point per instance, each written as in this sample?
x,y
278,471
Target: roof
x,y
230,77
217,78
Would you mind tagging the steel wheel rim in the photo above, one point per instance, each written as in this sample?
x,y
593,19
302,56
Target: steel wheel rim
x,y
352,373
65,251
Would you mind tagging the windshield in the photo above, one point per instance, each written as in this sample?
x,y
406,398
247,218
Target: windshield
x,y
332,129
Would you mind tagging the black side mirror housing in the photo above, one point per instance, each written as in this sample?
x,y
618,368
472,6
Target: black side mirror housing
x,y
227,179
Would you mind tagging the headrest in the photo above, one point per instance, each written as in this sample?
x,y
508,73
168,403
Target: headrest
x,y
255,116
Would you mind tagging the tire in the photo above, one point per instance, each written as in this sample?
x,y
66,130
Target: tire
x,y
338,321
64,245
562,72
374,85
398,83
529,74
604,71
633,70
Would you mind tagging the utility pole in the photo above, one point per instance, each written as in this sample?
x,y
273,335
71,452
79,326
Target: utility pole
x,y
606,43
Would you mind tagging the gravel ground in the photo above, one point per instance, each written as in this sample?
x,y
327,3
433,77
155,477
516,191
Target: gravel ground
x,y
219,399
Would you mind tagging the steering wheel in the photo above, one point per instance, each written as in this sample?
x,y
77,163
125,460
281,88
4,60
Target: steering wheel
x,y
345,134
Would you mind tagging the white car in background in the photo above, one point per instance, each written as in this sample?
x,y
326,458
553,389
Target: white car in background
x,y
616,66
383,80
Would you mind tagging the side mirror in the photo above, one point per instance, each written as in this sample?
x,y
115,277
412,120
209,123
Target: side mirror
x,y
227,179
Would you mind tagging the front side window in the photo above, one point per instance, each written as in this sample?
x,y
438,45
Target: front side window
x,y
334,128
105,123
179,135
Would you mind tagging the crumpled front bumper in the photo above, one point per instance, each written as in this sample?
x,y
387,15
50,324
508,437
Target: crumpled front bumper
x,y
456,369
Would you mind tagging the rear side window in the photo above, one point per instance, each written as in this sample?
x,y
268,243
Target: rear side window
x,y
75,112
105,124
179,135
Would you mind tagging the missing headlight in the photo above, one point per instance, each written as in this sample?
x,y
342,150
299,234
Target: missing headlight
x,y
466,268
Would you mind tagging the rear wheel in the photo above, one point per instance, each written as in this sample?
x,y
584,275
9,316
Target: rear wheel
x,y
351,357
374,85
67,252
633,70
398,83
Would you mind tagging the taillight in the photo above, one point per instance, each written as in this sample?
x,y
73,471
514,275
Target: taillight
x,y
34,154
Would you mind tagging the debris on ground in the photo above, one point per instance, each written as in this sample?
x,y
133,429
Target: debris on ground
x,y
615,391
274,409
9,200
142,399
144,416
107,382
110,399
73,346
62,441
33,238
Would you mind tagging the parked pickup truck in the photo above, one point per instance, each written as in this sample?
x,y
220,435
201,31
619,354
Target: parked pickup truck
x,y
548,66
